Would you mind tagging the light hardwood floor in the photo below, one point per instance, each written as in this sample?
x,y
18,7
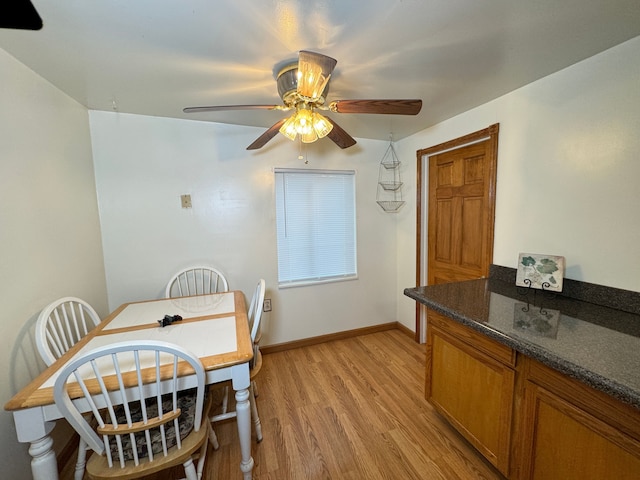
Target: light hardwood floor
x,y
350,409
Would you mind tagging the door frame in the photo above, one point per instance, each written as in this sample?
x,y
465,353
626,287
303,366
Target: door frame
x,y
491,134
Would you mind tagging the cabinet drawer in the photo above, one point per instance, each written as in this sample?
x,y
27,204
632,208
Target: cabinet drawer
x,y
477,340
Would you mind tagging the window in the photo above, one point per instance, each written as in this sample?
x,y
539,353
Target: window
x,y
316,226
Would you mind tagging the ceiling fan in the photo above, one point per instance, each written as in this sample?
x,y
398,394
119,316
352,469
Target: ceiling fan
x,y
303,87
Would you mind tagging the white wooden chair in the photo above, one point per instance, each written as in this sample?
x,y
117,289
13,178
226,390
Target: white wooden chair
x,y
254,315
145,423
60,325
197,280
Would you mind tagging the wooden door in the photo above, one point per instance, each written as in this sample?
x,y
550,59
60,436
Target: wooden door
x,y
460,214
461,179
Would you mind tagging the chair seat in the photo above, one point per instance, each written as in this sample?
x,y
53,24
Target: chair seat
x,y
98,468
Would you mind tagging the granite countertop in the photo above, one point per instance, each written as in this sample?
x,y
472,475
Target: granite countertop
x,y
596,344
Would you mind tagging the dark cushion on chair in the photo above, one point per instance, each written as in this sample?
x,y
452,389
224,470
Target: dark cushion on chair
x,y
187,405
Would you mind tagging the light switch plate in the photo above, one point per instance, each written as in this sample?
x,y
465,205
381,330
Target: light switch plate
x,y
186,201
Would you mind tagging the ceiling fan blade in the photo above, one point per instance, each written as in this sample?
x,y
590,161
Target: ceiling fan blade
x,y
220,108
314,72
20,14
262,140
339,136
387,107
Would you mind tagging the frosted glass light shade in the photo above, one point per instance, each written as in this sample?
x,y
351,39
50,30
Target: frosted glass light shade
x,y
321,125
288,128
311,81
308,124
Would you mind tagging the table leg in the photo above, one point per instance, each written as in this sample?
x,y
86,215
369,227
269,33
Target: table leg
x,y
243,418
32,428
43,462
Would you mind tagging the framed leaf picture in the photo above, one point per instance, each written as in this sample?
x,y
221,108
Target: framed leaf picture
x,y
544,272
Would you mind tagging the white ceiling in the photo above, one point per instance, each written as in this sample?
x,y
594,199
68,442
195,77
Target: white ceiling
x,y
154,57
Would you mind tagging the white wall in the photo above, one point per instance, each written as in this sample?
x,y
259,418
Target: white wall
x,y
143,165
49,227
568,170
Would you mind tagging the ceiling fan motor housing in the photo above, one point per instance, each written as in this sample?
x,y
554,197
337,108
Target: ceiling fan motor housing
x,y
287,82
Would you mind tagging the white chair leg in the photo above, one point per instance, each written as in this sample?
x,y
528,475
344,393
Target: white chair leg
x,y
254,413
203,456
255,388
225,399
213,438
190,470
82,460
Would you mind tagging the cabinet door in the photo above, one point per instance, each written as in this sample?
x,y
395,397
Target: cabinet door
x,y
473,391
563,441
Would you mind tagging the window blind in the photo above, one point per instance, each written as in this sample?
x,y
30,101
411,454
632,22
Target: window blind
x,y
316,228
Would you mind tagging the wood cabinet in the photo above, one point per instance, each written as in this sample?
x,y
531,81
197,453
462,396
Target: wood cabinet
x,y
571,431
530,421
470,381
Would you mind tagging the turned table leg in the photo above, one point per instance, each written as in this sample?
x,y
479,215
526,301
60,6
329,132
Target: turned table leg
x,y
43,459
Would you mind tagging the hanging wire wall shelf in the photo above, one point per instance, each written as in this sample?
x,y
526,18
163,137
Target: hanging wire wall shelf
x,y
389,191
390,206
390,186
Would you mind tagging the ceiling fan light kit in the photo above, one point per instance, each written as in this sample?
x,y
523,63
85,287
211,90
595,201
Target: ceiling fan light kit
x,y
308,124
303,87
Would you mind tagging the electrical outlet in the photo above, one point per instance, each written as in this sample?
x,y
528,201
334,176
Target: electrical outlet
x,y
266,307
185,200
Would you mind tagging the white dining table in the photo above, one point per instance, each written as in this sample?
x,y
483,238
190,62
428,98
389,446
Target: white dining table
x,y
214,327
